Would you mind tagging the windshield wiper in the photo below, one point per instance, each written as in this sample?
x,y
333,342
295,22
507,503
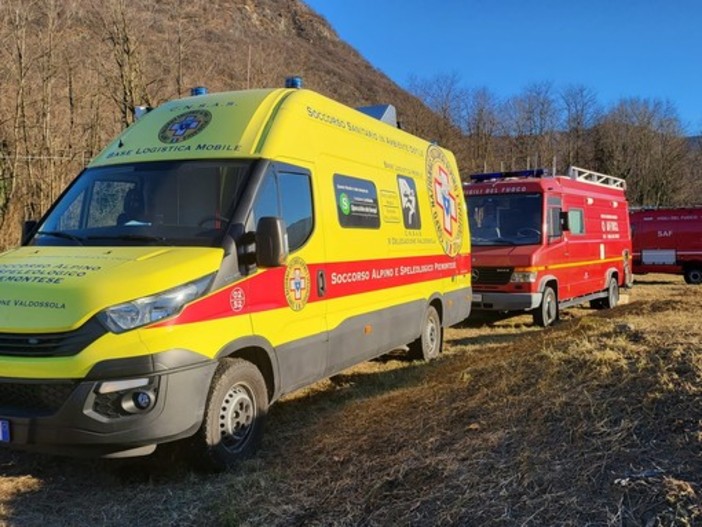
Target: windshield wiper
x,y
64,235
130,237
499,241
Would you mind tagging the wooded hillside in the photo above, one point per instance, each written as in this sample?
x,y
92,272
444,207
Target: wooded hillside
x,y
72,71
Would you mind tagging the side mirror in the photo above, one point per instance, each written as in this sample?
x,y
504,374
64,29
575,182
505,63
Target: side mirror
x,y
28,228
564,221
271,242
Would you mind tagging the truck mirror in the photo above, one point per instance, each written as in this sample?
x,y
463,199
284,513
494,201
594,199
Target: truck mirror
x,y
28,228
564,221
271,242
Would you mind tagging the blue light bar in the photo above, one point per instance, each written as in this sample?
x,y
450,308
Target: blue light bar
x,y
537,172
293,82
198,90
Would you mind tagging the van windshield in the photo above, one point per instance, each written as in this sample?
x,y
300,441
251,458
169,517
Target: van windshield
x,y
508,219
180,203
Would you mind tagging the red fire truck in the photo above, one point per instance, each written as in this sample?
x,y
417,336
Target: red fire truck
x,y
668,241
544,242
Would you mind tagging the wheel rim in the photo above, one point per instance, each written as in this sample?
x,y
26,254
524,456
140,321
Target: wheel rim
x,y
613,297
695,276
550,309
236,417
432,337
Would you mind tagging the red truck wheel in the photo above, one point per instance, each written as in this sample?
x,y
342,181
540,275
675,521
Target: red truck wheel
x,y
693,275
547,313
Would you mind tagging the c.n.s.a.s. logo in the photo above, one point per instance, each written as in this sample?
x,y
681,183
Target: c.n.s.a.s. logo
x,y
444,187
184,126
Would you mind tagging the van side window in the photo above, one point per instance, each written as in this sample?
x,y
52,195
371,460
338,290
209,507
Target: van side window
x,y
554,222
287,195
267,199
296,201
576,223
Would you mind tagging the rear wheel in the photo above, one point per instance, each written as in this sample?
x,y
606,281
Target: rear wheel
x,y
236,409
612,298
547,313
428,345
693,275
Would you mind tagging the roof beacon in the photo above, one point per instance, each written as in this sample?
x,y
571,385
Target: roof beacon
x,y
140,111
538,172
198,90
293,82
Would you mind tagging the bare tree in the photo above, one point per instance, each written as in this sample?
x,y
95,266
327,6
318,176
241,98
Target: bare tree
x,y
531,120
642,141
481,122
120,35
444,95
580,111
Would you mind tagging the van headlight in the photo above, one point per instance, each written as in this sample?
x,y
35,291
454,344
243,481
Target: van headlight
x,y
149,309
523,276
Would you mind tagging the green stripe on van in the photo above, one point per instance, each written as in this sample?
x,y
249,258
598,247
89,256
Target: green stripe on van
x,y
269,124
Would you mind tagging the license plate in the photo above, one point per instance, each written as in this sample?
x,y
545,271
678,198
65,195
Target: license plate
x,y
4,431
477,297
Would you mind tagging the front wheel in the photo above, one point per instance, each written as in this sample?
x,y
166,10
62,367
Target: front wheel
x,y
236,409
428,345
693,275
547,313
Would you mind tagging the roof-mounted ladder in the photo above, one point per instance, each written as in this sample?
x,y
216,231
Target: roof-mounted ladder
x,y
581,174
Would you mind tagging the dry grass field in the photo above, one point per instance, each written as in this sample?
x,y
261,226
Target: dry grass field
x,y
596,421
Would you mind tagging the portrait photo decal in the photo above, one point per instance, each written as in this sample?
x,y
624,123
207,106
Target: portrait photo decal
x,y
410,206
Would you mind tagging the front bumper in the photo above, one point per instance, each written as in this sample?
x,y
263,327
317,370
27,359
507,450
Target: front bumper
x,y
491,301
72,417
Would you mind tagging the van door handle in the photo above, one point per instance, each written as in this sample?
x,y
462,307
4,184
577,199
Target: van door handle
x,y
321,283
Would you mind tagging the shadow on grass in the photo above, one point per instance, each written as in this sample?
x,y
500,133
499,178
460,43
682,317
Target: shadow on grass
x,y
646,283
74,477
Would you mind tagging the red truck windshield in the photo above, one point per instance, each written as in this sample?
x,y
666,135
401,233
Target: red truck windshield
x,y
506,219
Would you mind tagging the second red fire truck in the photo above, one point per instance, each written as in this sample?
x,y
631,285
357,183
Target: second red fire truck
x,y
543,242
668,240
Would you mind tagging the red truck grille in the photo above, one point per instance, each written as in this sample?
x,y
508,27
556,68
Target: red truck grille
x,y
491,275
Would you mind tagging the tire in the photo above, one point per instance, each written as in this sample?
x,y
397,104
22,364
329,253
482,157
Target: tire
x,y
428,346
547,313
236,408
693,275
612,298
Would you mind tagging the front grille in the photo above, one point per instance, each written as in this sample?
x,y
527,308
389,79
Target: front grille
x,y
492,275
51,344
110,405
32,399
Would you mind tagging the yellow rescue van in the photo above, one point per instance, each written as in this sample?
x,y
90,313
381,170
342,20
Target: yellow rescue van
x,y
224,250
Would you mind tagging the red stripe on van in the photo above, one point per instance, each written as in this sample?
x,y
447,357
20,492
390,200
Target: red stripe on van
x,y
266,290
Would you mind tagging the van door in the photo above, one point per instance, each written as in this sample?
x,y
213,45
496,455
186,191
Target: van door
x,y
292,316
559,258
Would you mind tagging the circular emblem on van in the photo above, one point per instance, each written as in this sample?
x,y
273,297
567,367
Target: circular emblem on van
x,y
297,284
184,126
237,299
447,212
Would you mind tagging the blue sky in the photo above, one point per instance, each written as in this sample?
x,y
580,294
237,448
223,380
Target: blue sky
x,y
618,48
